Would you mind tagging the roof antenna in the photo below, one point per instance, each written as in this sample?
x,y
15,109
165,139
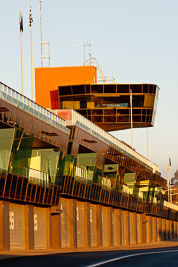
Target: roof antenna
x,y
46,45
41,34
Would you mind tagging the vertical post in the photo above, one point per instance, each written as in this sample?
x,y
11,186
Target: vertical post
x,y
41,34
30,24
168,181
22,63
131,118
170,185
84,52
21,47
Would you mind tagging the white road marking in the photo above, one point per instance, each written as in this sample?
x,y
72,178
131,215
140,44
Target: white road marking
x,y
129,256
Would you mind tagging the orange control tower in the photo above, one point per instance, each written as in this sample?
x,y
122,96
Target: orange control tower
x,y
109,106
47,81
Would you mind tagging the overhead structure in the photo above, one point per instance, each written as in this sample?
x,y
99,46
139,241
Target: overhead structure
x,y
106,105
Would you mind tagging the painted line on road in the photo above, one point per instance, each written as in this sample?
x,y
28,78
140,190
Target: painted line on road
x,y
129,256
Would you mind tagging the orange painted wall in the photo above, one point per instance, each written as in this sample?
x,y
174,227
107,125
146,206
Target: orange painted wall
x,y
48,79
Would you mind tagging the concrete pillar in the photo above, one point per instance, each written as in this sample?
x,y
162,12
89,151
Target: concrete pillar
x,y
148,229
55,231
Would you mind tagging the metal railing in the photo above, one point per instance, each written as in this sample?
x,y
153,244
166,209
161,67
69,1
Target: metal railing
x,y
108,80
93,61
26,104
34,176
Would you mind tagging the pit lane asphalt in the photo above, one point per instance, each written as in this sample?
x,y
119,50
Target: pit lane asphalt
x,y
149,257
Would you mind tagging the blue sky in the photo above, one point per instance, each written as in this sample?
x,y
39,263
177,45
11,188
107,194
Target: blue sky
x,y
136,41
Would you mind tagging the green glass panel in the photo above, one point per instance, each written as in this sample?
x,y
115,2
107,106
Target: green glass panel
x,y
129,178
6,137
86,164
69,165
21,153
39,165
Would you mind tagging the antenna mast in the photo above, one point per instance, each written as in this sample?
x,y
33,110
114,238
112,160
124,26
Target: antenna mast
x,y
41,34
45,46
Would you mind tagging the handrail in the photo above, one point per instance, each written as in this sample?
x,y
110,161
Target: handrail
x,y
24,103
94,61
34,176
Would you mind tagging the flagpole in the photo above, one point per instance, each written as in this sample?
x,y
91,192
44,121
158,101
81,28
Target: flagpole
x,y
170,185
131,118
30,24
168,181
21,48
22,62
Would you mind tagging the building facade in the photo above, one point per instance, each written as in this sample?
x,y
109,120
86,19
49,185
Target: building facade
x,y
65,182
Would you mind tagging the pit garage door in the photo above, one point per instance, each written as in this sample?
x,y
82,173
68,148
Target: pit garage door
x,y
153,229
139,228
158,229
65,223
81,228
105,226
163,227
132,227
17,226
115,228
148,229
93,225
167,229
40,228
